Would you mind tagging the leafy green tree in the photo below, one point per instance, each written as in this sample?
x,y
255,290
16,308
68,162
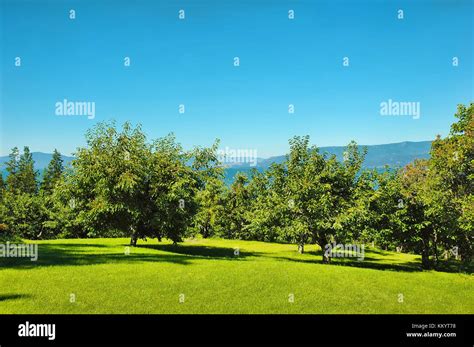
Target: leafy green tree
x,y
210,208
109,182
265,217
418,230
440,213
120,182
235,205
355,222
23,214
173,185
452,162
26,175
12,170
52,173
210,189
21,210
346,208
304,195
62,219
319,193
383,225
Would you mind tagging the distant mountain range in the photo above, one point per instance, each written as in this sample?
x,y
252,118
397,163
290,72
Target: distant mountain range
x,y
41,160
393,154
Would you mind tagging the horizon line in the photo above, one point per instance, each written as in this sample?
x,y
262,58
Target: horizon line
x,y
272,156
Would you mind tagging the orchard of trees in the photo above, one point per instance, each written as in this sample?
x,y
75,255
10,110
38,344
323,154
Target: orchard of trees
x,y
122,185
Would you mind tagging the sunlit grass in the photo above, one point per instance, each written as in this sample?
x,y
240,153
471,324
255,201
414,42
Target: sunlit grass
x,y
213,279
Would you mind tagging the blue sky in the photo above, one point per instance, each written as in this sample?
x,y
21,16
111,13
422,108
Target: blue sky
x,y
190,62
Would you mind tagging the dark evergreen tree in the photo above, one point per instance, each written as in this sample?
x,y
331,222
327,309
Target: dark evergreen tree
x,y
12,169
26,173
52,173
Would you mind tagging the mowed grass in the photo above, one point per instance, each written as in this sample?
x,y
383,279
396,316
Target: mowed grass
x,y
261,279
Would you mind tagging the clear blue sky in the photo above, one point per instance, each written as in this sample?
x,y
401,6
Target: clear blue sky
x,y
190,62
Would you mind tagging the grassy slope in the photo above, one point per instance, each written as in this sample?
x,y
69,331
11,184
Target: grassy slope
x,y
150,279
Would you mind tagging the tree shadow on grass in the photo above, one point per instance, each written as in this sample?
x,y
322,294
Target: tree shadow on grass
x,y
408,266
201,251
382,263
377,265
373,264
78,254
5,297
454,266
378,251
368,262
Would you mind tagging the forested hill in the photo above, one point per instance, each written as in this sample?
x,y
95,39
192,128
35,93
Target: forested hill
x,y
393,155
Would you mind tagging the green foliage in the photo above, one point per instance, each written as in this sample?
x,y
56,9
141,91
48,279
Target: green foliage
x,y
318,193
121,184
53,173
209,175
21,173
265,217
236,203
384,204
417,228
26,176
173,186
210,208
452,169
21,209
12,169
23,214
2,186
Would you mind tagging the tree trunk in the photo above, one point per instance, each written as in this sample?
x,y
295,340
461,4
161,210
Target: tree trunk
x,y
301,248
425,260
435,248
425,252
134,238
322,242
326,258
205,231
465,249
425,257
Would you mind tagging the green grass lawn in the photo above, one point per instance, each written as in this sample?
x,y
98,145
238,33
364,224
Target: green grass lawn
x,y
213,280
